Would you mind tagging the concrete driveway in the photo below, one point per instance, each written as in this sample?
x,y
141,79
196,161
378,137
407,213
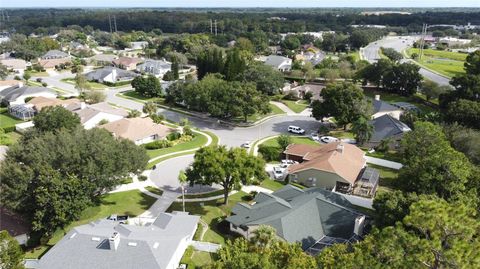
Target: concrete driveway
x,y
165,176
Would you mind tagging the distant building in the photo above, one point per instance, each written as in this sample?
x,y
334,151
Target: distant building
x,y
453,41
157,68
51,64
387,127
55,54
106,244
103,59
381,108
279,62
138,45
127,63
16,65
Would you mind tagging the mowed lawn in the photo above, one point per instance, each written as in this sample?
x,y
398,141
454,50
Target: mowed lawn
x,y
7,121
212,213
132,203
272,142
444,62
296,106
198,141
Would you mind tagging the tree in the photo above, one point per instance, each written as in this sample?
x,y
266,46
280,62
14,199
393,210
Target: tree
x,y
291,42
284,140
244,44
392,207
363,130
228,167
431,165
66,172
11,254
54,118
267,79
134,114
175,67
374,73
3,72
94,96
392,54
264,237
472,63
432,90
235,65
147,86
248,101
182,179
465,140
345,102
150,108
210,61
81,83
26,76
403,78
465,112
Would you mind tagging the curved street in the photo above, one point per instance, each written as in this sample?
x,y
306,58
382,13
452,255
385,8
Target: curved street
x,y
399,43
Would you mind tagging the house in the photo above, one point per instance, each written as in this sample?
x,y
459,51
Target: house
x,y
314,217
16,65
405,106
279,62
17,94
381,108
103,59
54,54
157,68
453,41
138,130
31,108
74,45
15,225
387,127
92,115
110,74
127,63
314,89
138,45
336,166
106,244
40,102
51,64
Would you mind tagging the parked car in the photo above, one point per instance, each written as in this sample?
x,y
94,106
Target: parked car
x,y
289,162
246,145
278,173
121,219
295,129
328,139
315,137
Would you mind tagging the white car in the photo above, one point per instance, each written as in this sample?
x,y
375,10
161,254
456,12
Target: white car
x,y
315,137
328,139
278,173
289,162
246,145
295,129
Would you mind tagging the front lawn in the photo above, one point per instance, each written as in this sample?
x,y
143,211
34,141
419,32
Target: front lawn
x,y
154,190
204,195
272,184
196,259
198,141
296,106
136,95
9,138
132,203
272,142
212,213
275,110
7,121
93,85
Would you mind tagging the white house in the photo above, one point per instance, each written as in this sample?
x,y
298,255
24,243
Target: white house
x,y
16,95
279,62
92,115
157,68
110,74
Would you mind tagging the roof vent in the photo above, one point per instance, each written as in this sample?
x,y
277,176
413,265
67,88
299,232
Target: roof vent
x,y
114,241
155,246
132,244
96,239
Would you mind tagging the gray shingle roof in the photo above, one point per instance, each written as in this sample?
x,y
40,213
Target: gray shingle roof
x,y
13,93
275,60
101,73
381,106
387,126
145,247
51,54
303,216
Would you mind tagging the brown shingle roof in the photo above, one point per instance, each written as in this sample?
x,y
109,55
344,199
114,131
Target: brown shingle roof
x,y
136,128
126,61
41,102
51,63
341,158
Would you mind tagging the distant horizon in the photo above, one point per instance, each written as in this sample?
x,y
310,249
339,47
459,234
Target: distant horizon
x,y
251,4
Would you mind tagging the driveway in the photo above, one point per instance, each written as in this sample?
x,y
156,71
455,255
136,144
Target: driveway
x,y
165,176
399,43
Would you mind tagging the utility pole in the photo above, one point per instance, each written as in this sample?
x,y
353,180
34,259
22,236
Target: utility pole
x,y
115,22
422,41
211,26
215,27
110,23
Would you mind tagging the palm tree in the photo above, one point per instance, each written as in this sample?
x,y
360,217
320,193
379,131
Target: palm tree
x,y
182,178
264,237
150,108
362,130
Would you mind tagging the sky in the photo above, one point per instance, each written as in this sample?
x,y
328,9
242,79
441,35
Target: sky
x,y
240,3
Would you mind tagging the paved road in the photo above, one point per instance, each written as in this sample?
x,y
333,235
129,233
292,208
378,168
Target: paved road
x,y
371,54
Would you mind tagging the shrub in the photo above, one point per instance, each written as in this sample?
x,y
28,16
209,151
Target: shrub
x,y
187,131
291,96
173,136
159,144
142,177
39,79
44,84
384,145
17,78
9,129
269,153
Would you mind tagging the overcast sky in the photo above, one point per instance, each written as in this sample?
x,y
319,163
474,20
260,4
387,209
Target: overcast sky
x,y
240,3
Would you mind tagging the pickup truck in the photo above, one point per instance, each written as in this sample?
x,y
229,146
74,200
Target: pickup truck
x,y
121,219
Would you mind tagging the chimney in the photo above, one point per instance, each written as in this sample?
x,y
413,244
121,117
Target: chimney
x,y
377,97
20,84
83,105
114,240
359,225
340,148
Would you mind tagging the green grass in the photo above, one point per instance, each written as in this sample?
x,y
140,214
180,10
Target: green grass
x,y
204,195
446,63
275,110
388,178
212,212
393,97
8,121
198,141
196,259
93,85
136,95
9,138
390,155
132,203
296,107
355,55
126,180
341,134
38,74
272,184
154,190
272,142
